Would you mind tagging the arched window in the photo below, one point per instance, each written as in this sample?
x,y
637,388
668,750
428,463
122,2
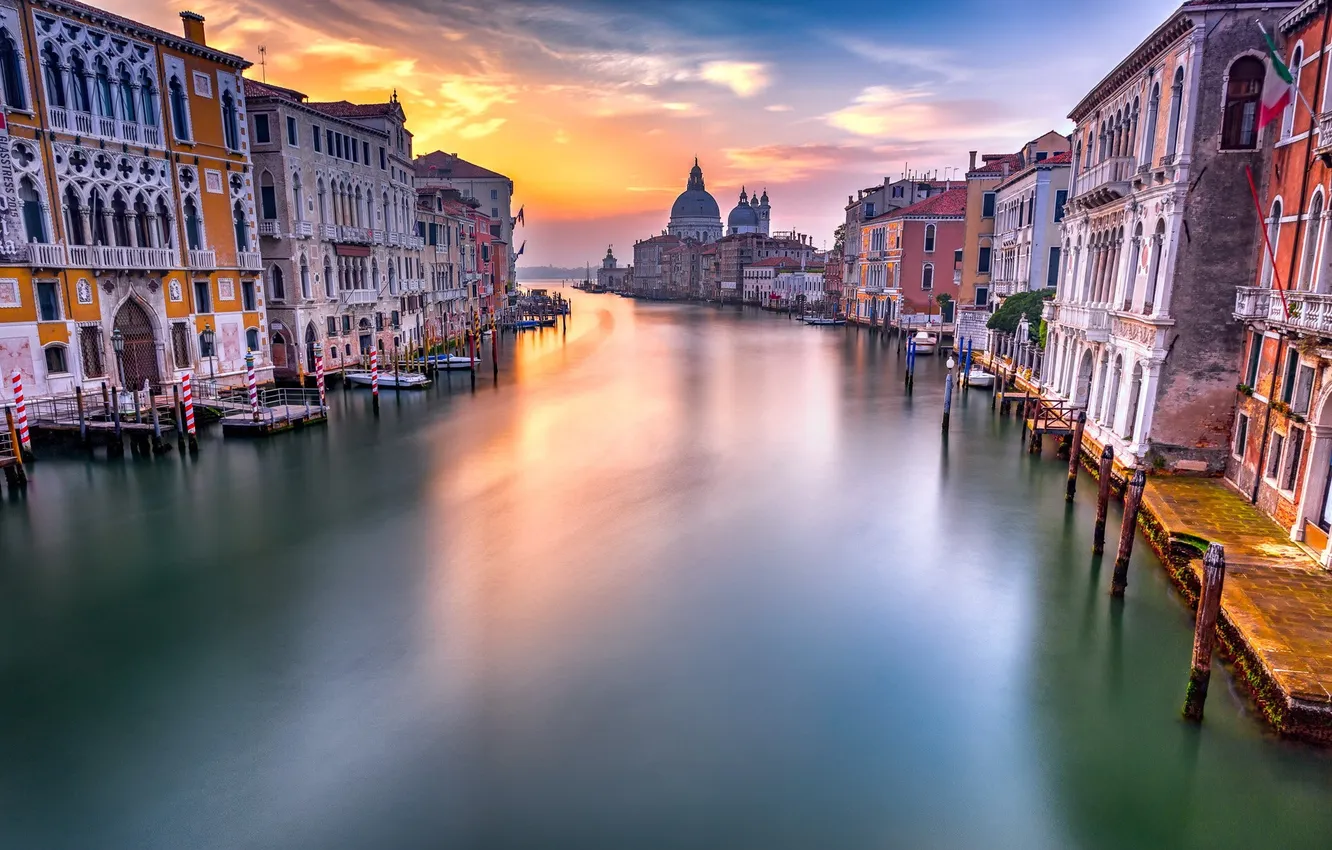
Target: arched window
x,y
78,73
277,287
1176,112
328,280
1313,226
927,277
11,72
193,226
267,197
1112,394
1135,395
1244,90
230,123
305,279
392,280
180,113
252,339
1149,136
1273,237
323,201
162,223
929,238
74,213
1152,294
1288,117
34,222
100,236
57,361
141,211
147,99
106,103
120,227
240,226
296,197
55,77
1131,275
128,108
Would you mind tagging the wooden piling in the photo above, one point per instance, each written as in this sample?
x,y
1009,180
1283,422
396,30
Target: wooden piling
x,y
948,399
20,474
83,421
1105,472
1075,455
178,410
494,350
1204,631
1132,501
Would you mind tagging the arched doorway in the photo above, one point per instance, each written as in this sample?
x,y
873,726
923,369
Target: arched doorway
x,y
138,363
311,337
366,339
279,348
1082,391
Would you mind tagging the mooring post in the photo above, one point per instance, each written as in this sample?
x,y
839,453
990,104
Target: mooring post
x,y
83,422
1074,455
948,398
397,384
494,350
471,354
20,475
1132,501
115,415
1204,631
1105,472
178,411
1022,410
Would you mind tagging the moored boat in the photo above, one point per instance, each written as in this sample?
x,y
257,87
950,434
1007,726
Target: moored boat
x,y
925,343
388,380
452,362
979,378
823,320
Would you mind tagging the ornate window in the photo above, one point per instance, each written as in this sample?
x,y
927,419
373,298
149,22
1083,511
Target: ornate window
x,y
241,227
1312,229
1176,112
1273,237
267,197
1149,137
1288,117
180,114
78,73
106,104
90,351
1244,89
55,77
305,278
11,72
147,99
128,107
230,123
34,218
328,280
277,287
193,226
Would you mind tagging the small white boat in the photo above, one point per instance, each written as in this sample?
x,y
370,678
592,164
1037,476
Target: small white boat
x,y
387,380
451,362
979,378
925,343
823,320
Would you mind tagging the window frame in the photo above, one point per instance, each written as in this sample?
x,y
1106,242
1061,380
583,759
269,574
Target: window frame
x,y
987,204
266,136
40,284
1240,439
1294,454
1274,455
293,132
204,304
63,350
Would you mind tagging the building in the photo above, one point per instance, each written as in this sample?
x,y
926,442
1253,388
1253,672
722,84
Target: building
x,y
751,215
682,267
738,252
909,257
695,214
610,276
648,278
128,205
492,191
1029,209
337,227
442,218
1281,441
799,288
832,277
978,250
760,278
1158,234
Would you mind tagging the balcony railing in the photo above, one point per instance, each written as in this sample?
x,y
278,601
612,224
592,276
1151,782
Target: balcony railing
x,y
329,232
46,256
359,296
1324,130
122,257
354,234
80,123
250,260
270,228
1252,302
1106,181
377,236
1310,312
394,239
302,229
200,259
413,242
1093,321
413,285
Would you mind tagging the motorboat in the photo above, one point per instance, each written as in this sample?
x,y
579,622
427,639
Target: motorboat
x,y
823,320
451,362
979,378
388,380
924,343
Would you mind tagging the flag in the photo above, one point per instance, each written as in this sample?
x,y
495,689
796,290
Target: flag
x,y
520,216
520,249
1277,85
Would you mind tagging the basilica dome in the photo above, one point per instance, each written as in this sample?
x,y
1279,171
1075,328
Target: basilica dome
x,y
744,218
694,201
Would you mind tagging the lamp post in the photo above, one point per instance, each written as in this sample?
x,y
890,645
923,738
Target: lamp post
x,y
118,343
207,337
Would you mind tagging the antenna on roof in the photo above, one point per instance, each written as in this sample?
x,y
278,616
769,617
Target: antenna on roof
x,y
263,63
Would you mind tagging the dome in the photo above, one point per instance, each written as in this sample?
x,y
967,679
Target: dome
x,y
694,201
743,216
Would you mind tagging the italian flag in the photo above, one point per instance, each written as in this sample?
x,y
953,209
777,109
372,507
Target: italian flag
x,y
1278,86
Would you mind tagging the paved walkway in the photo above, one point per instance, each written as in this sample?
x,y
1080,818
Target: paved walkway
x,y
1277,598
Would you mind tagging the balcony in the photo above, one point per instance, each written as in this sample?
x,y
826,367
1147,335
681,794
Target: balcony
x,y
302,229
1252,302
122,257
413,242
957,277
394,239
249,260
45,256
270,229
1093,321
358,235
1050,311
79,123
204,260
377,237
1310,312
359,296
329,232
1323,127
1003,288
1105,182
413,285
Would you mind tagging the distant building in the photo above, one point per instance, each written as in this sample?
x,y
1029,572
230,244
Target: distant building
x,y
492,191
751,215
695,214
910,258
610,276
647,278
1029,209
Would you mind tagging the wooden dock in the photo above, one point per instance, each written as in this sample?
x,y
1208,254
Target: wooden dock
x,y
273,420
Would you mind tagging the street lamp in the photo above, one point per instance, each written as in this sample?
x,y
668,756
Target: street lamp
x,y
207,338
118,343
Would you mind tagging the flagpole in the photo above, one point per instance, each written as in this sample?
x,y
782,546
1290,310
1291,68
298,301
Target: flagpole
x,y
1298,93
1271,256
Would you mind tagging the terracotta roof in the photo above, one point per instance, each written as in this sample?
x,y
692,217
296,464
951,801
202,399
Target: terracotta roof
x,y
950,203
254,88
994,164
347,109
780,262
450,166
1064,158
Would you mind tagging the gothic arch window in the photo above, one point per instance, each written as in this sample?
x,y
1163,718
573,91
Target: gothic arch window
x,y
230,122
929,238
34,220
305,278
328,280
323,201
55,77
1131,275
1152,295
296,199
180,113
193,226
392,280
1313,227
128,107
267,197
242,229
120,227
147,99
106,103
141,213
1273,238
1149,136
74,215
277,287
11,72
1133,127
1244,89
162,223
1288,117
100,236
78,78
1176,111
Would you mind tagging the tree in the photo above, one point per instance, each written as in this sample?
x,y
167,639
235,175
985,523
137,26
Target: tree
x,y
1027,304
839,237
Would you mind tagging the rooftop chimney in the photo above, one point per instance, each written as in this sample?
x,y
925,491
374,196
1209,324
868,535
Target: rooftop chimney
x,y
972,167
1005,169
194,27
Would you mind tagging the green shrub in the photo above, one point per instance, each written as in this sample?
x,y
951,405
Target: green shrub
x,y
1006,318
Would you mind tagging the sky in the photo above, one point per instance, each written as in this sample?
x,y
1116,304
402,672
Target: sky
x,y
597,108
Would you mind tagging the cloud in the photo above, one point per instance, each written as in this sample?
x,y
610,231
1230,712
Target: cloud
x,y
778,107
744,78
935,63
779,162
561,137
884,112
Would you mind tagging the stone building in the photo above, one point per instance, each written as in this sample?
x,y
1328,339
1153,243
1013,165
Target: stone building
x,y
682,267
127,206
1029,211
337,226
736,253
1158,234
492,191
648,279
1281,441
442,217
751,215
909,257
611,276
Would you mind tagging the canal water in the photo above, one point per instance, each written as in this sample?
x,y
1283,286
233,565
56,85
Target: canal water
x,y
686,578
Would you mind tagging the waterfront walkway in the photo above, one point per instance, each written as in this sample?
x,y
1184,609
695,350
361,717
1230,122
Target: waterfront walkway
x,y
1277,603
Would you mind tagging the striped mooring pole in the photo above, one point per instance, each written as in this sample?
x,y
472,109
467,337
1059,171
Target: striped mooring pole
x,y
187,400
251,385
21,409
374,379
319,373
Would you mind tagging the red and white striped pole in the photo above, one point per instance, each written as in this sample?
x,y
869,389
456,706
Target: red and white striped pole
x,y
21,408
319,373
251,385
187,398
374,372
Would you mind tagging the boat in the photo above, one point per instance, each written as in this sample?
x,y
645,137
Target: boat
x,y
924,343
979,378
823,320
450,362
388,380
